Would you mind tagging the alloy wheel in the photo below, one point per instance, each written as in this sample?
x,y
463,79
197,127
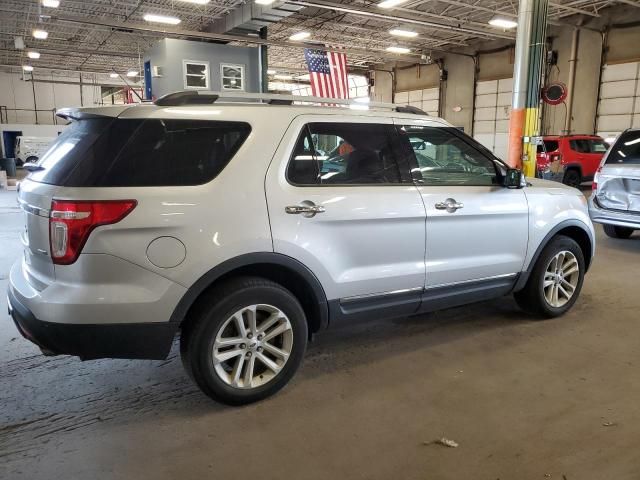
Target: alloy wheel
x,y
561,278
252,346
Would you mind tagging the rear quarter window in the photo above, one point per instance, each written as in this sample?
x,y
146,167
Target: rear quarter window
x,y
626,149
107,152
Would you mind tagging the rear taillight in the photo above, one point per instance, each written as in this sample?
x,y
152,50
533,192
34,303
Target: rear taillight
x,y
594,184
71,222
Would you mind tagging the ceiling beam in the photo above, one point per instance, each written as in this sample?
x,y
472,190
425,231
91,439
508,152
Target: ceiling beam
x,y
223,37
366,12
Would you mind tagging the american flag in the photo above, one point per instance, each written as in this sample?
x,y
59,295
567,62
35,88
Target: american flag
x,y
328,73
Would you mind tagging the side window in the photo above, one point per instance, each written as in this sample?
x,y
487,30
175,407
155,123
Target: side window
x,y
444,158
598,146
344,154
580,146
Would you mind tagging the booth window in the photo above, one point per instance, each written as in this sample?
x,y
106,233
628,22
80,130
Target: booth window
x,y
232,77
196,74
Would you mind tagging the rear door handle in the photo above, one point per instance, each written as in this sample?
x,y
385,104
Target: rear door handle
x,y
450,205
307,209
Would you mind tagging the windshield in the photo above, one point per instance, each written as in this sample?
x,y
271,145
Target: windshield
x,y
626,150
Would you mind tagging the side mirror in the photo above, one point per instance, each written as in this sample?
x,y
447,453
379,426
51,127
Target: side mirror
x,y
514,178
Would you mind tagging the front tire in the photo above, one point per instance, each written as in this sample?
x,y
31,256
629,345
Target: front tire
x,y
555,281
247,340
614,231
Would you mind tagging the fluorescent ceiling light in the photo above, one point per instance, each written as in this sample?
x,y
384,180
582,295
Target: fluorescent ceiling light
x,y
299,36
34,55
132,73
51,3
391,3
114,75
265,2
399,32
283,77
27,68
503,22
40,34
398,49
149,17
271,72
199,2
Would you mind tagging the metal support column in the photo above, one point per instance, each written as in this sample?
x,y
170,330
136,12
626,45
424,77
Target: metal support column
x,y
527,75
264,63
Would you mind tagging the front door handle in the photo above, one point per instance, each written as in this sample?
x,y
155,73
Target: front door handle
x,y
307,209
450,205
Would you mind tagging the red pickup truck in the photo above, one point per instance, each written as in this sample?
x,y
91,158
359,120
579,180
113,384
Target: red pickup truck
x,y
572,159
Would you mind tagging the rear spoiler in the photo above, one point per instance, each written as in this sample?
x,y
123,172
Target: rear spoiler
x,y
91,112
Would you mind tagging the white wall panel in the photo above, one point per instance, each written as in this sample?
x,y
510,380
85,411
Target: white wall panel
x,y
401,97
425,99
491,115
619,102
490,86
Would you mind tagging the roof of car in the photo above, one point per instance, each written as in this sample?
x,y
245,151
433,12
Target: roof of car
x,y
244,106
574,135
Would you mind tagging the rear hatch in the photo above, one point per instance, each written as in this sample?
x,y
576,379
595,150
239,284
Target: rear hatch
x,y
35,201
618,181
106,163
43,184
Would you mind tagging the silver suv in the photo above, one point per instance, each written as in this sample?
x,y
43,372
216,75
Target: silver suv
x,y
248,227
616,187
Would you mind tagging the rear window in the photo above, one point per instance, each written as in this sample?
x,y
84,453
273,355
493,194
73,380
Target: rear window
x,y
109,152
626,150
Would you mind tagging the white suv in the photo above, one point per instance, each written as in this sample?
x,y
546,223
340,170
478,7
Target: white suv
x,y
248,227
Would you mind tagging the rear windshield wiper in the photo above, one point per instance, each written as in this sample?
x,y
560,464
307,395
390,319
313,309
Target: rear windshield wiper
x,y
32,167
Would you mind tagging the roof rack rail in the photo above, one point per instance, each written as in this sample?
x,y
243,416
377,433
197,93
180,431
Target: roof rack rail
x,y
410,109
186,97
202,97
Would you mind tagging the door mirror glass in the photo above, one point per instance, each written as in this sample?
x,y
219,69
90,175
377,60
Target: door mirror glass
x,y
514,178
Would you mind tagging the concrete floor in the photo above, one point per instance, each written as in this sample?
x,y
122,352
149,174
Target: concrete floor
x,y
524,399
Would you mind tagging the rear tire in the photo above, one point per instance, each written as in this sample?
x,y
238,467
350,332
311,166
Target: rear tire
x,y
558,273
614,231
572,178
247,339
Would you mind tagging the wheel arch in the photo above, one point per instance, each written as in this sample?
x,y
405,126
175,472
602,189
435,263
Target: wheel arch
x,y
282,269
574,229
574,166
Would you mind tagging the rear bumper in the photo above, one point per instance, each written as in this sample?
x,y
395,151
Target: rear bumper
x,y
612,217
90,341
125,319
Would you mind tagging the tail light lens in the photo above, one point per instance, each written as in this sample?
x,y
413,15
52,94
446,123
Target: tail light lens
x,y
71,223
594,184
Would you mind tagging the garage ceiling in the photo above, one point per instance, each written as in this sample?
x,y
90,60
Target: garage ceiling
x,y
98,35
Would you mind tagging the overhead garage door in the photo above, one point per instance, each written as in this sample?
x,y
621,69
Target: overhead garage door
x,y
426,99
491,114
619,102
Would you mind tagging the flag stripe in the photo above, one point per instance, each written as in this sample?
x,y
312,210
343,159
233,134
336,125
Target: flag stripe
x,y
327,73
